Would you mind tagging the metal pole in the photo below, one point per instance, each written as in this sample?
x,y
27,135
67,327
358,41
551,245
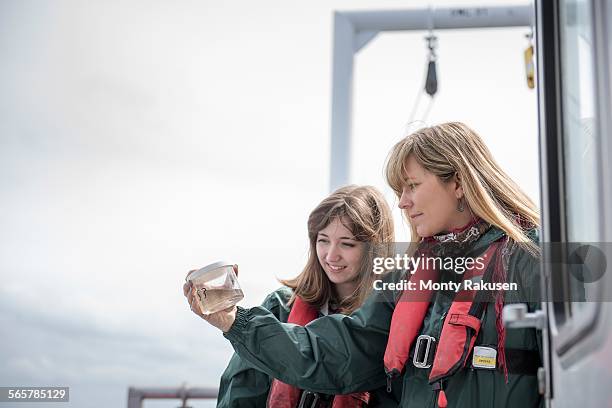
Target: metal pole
x,y
342,97
134,398
441,18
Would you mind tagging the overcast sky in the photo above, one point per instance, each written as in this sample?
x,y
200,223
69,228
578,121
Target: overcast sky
x,y
141,139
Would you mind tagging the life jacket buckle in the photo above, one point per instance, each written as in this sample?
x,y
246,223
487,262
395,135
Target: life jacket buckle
x,y
311,399
424,351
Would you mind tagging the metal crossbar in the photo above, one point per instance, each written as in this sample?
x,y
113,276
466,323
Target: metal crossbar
x,y
137,395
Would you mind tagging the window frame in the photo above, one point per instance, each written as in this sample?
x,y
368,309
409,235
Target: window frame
x,y
567,331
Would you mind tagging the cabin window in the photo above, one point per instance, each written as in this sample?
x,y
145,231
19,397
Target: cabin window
x,y
581,175
578,107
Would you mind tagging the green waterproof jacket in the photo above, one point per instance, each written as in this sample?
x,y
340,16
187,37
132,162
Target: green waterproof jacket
x,y
339,354
243,386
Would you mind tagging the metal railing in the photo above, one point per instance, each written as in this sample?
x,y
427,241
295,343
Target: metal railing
x,y
137,395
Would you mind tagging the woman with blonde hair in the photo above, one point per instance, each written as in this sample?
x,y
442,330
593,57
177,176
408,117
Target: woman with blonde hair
x,y
346,231
439,337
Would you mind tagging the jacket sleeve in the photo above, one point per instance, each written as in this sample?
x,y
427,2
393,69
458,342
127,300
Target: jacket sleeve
x,y
529,269
525,269
335,354
242,385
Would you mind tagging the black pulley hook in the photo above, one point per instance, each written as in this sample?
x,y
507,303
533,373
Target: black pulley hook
x,y
431,82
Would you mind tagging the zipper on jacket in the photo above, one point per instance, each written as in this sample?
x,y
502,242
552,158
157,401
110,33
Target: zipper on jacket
x,y
391,375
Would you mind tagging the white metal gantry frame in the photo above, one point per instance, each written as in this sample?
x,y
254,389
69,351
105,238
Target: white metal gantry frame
x,y
354,29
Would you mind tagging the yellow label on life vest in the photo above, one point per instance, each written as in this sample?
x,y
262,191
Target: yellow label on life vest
x,y
484,357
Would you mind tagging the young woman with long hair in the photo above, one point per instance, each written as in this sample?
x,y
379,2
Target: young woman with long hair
x,y
345,231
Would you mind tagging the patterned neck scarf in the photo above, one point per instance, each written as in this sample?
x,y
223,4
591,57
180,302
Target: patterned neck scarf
x,y
456,242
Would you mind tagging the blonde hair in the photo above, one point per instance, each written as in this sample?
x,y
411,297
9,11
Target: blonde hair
x,y
453,148
365,212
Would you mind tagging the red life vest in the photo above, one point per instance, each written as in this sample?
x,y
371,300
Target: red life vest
x,y
287,396
459,331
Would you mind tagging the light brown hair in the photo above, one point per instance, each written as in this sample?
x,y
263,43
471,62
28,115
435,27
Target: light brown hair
x,y
453,149
364,211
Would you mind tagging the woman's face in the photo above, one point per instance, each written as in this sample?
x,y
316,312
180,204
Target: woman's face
x,y
429,203
339,254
